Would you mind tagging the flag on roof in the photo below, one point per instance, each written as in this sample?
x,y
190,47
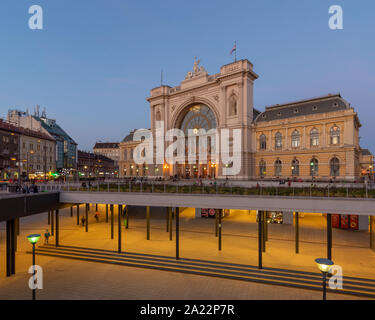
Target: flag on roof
x,y
234,48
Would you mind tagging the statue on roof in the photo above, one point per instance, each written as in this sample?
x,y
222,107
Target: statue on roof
x,y
197,71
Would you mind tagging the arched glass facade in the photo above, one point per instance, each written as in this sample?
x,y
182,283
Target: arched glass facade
x,y
198,117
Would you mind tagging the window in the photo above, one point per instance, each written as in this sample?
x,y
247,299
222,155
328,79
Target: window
x,y
31,146
314,137
334,167
125,154
314,167
278,167
278,140
262,168
335,135
295,139
295,167
262,142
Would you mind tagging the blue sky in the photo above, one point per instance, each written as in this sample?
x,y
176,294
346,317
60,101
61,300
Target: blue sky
x,y
93,64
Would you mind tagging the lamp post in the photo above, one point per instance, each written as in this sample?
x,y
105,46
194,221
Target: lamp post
x,y
33,239
324,266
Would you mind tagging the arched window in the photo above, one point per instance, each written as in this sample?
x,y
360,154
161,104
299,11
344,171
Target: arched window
x,y
314,137
314,167
335,135
262,168
278,140
262,142
278,167
295,167
334,165
295,139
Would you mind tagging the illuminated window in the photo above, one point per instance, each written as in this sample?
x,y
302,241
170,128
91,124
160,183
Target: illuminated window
x,y
295,139
262,142
335,135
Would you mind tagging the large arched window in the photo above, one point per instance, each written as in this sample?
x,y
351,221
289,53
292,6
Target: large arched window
x,y
334,165
314,137
198,117
278,167
295,167
278,140
314,167
262,168
335,135
262,142
295,139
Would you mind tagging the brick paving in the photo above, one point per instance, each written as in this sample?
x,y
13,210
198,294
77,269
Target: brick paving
x,y
68,279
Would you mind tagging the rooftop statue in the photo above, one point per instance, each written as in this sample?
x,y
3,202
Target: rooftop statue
x,y
197,71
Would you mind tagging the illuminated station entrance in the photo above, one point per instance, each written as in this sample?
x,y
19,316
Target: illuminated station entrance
x,y
191,121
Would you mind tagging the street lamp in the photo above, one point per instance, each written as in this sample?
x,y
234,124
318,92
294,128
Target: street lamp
x,y
324,266
33,239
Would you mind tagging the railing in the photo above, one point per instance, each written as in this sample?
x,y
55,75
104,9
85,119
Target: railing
x,y
329,190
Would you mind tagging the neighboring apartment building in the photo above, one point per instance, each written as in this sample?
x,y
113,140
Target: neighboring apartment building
x,y
26,153
108,149
9,152
38,154
66,147
92,165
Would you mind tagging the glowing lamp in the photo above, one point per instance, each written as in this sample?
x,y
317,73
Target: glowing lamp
x,y
324,264
33,238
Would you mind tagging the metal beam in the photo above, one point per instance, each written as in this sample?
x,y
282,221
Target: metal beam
x,y
148,221
296,226
77,214
57,228
112,221
177,233
87,217
329,236
260,227
119,227
219,227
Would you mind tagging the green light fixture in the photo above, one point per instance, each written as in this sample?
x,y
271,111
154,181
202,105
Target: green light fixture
x,y
33,238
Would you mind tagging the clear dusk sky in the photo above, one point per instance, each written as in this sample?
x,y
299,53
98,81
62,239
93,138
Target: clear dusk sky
x,y
93,64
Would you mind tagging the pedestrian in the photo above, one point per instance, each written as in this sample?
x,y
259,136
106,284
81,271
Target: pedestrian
x,y
83,220
46,236
96,216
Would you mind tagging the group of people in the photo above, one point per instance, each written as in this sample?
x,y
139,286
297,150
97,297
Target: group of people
x,y
26,188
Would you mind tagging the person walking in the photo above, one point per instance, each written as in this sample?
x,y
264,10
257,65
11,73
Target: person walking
x,y
46,236
96,216
83,220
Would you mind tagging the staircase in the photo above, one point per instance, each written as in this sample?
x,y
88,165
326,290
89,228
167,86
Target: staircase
x,y
282,277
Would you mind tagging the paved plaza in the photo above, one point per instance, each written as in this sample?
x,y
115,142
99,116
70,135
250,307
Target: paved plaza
x,y
72,279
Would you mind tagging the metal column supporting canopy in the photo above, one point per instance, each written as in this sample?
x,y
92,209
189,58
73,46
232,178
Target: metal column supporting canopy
x,y
148,221
296,225
112,222
119,227
177,233
87,217
77,214
260,240
57,228
329,236
10,248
